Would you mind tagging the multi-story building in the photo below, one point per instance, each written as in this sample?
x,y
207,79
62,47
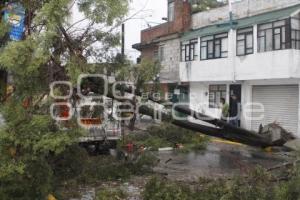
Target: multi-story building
x,y
255,56
162,43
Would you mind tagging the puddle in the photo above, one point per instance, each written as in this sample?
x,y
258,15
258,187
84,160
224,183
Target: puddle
x,y
219,160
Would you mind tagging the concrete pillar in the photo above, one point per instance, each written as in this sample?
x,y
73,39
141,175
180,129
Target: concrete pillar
x,y
246,105
298,130
232,52
255,47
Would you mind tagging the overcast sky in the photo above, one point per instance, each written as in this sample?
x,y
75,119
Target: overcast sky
x,y
152,14
146,13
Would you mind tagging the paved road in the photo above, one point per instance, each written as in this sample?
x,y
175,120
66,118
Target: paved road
x,y
219,160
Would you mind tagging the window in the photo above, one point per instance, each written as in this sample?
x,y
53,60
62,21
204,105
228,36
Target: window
x,y
214,46
189,50
155,55
171,9
244,39
216,92
274,36
295,23
161,52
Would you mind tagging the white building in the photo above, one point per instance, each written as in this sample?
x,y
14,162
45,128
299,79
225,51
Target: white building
x,y
256,57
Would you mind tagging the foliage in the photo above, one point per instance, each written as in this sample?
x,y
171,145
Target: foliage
x,y
259,184
110,194
69,164
54,49
256,186
141,73
203,5
209,189
289,190
158,189
168,135
33,183
74,167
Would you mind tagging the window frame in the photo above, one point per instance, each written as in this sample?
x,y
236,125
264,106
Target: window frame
x,y
171,13
223,94
213,41
246,48
286,27
161,53
190,45
156,55
295,42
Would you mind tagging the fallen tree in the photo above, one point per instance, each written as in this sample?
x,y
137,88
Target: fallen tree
x,y
268,136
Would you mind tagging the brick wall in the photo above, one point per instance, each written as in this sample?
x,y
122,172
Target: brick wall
x,y
181,23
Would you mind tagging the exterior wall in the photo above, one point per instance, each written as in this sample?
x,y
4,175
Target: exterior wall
x,y
199,98
167,34
181,23
259,65
269,65
170,64
266,65
148,53
244,8
280,67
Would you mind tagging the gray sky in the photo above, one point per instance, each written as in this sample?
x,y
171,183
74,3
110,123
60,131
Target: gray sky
x,y
153,11
145,12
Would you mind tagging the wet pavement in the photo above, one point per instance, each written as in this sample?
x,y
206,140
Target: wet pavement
x,y
218,161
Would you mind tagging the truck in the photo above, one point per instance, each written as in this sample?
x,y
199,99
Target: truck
x,y
104,131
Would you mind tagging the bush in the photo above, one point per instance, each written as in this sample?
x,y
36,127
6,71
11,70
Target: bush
x,y
209,189
158,189
70,163
258,185
167,135
34,183
110,194
289,190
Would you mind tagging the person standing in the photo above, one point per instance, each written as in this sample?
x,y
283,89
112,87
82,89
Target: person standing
x,y
225,110
234,111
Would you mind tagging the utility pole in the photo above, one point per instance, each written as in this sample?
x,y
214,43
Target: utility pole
x,y
123,41
231,23
123,57
230,14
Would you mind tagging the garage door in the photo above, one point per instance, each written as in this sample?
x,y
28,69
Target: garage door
x,y
280,104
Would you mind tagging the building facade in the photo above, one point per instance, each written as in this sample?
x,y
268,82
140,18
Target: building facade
x,y
162,43
255,56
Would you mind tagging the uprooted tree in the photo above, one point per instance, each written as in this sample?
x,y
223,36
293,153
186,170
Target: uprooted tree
x,y
54,48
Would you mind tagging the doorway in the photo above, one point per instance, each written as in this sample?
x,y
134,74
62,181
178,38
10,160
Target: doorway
x,y
236,89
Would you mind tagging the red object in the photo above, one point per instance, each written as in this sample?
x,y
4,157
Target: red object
x,y
129,147
64,111
26,103
91,121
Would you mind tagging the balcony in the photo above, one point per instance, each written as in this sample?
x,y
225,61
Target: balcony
x,y
280,64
